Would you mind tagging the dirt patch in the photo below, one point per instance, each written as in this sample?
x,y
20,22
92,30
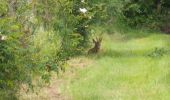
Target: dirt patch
x,y
48,92
79,62
53,90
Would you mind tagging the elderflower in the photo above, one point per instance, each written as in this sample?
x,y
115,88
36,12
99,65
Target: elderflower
x,y
82,1
3,37
83,10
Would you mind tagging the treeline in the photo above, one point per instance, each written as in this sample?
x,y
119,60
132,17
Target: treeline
x,y
154,14
39,36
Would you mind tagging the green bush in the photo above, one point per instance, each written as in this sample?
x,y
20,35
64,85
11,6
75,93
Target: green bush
x,y
148,14
12,73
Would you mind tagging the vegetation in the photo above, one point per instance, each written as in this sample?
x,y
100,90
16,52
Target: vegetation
x,y
123,70
153,13
38,37
128,67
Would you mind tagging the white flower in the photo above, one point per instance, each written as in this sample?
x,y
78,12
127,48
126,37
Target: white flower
x,y
83,10
86,26
82,1
3,37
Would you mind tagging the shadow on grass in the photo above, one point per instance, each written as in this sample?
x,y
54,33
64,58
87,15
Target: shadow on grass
x,y
125,53
137,34
130,53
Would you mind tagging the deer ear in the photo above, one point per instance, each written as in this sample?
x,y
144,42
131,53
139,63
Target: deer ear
x,y
94,41
100,39
97,39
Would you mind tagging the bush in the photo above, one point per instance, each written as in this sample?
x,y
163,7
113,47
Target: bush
x,y
148,14
12,72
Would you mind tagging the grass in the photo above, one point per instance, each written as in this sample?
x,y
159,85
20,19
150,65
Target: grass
x,y
123,70
127,68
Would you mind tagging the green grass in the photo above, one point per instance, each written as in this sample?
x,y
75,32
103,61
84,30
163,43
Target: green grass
x,y
123,70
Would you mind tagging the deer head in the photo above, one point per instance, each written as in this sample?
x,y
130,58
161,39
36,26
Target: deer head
x,y
97,45
97,42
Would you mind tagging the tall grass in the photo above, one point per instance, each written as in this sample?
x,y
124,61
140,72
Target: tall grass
x,y
128,67
124,70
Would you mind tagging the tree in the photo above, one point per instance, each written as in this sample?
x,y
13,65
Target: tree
x,y
147,13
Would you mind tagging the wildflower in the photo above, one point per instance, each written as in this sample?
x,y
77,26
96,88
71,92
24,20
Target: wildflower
x,y
3,37
83,10
82,1
86,26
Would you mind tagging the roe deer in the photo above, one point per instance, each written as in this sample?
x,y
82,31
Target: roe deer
x,y
96,48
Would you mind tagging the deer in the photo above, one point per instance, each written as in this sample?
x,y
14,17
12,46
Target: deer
x,y
97,45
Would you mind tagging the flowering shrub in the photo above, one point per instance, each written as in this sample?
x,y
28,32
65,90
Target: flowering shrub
x,y
39,36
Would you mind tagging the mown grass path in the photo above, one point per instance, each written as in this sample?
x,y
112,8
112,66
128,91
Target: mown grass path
x,y
128,68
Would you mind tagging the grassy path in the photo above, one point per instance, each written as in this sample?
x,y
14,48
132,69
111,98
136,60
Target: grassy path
x,y
124,71
128,67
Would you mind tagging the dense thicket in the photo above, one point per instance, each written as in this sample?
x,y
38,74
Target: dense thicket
x,y
153,14
37,37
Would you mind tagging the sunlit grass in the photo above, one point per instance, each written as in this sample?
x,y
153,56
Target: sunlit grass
x,y
124,71
127,68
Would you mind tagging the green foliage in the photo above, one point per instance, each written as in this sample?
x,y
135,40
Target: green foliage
x,y
41,36
3,7
74,26
19,58
12,73
151,13
158,52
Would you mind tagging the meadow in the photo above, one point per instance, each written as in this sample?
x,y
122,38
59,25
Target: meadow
x,y
125,71
128,67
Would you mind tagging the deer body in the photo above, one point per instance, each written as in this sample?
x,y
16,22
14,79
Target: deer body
x,y
96,48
